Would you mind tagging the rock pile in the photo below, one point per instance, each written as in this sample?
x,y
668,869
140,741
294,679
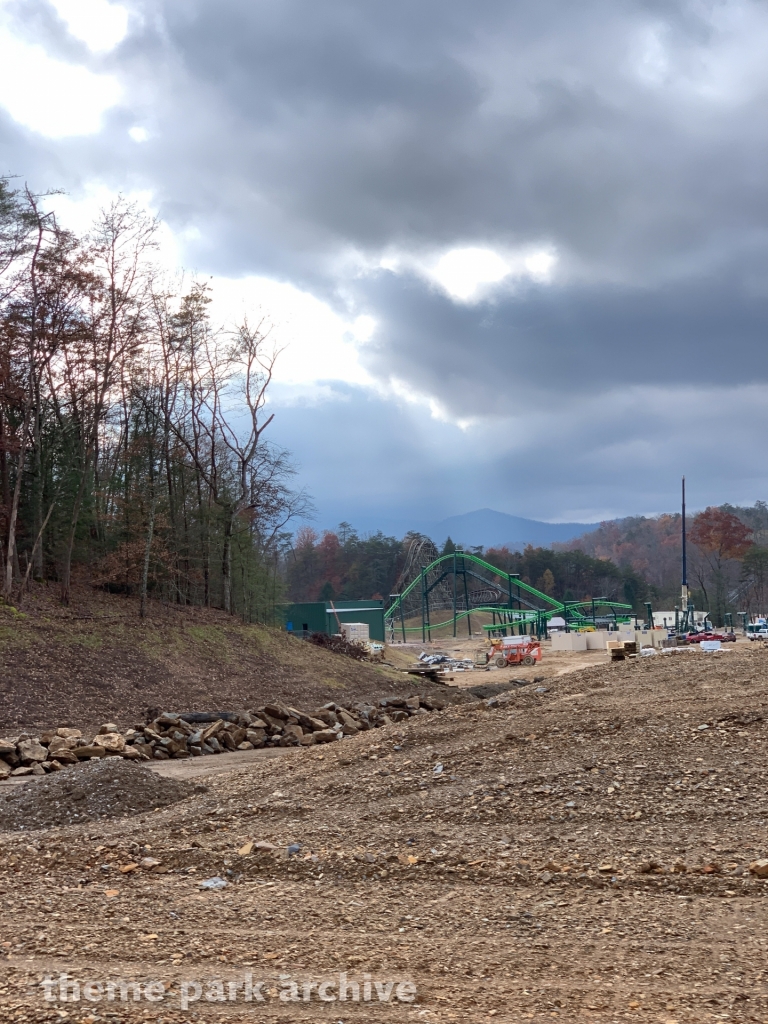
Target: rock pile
x,y
194,734
109,788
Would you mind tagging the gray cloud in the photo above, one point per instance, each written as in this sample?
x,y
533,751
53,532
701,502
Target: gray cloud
x,y
627,134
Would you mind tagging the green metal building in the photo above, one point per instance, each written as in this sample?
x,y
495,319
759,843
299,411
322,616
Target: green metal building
x,y
321,617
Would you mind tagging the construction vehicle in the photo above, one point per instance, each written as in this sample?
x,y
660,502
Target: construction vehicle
x,y
515,650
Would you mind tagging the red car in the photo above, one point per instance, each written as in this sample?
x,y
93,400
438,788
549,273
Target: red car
x,y
696,638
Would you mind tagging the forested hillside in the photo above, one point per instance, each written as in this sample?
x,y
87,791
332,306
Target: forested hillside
x,y
727,556
133,451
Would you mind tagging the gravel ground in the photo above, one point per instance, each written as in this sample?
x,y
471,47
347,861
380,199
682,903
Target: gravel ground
x,y
579,854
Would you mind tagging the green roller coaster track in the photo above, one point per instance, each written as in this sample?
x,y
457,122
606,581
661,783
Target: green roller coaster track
x,y
511,613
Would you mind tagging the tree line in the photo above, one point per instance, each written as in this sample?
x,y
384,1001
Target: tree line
x,y
633,561
132,430
340,565
727,556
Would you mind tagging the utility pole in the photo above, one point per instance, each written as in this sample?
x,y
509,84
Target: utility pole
x,y
684,586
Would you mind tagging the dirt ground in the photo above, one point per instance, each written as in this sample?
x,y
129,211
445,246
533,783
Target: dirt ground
x,y
552,664
578,854
96,661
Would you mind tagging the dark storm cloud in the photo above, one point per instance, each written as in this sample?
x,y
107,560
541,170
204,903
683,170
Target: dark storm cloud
x,y
304,140
573,460
425,124
627,133
708,330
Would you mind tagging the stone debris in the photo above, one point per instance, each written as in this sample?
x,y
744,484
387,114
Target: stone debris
x,y
214,883
196,734
104,788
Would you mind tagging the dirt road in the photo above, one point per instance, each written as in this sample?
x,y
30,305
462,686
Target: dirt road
x,y
580,854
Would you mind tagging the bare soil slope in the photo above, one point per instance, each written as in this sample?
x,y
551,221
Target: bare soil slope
x,y
581,854
96,662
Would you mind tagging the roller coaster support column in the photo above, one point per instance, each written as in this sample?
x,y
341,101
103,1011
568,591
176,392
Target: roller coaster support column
x,y
426,605
423,599
466,598
454,593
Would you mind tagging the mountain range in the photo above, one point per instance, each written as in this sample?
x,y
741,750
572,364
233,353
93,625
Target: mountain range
x,y
490,528
484,527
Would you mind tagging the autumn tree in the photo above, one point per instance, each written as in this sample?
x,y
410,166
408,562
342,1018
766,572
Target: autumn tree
x,y
722,540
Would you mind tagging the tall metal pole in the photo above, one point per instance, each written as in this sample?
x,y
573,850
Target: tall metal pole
x,y
684,583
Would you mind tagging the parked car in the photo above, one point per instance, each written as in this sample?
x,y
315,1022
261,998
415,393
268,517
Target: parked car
x,y
696,638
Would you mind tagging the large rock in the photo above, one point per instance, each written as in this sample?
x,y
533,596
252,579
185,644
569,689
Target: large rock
x,y
7,748
112,742
69,734
226,739
63,756
5,770
256,736
58,744
213,730
759,868
89,750
167,719
349,725
134,754
108,727
277,711
326,716
325,736
311,724
32,751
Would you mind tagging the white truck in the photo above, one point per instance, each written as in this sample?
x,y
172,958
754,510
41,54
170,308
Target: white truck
x,y
757,630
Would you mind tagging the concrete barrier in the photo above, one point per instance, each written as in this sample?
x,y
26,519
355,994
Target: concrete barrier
x,y
569,641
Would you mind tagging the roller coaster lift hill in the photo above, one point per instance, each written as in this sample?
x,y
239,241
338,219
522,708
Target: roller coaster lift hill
x,y
462,584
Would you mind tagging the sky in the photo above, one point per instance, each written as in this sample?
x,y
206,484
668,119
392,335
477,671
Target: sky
x,y
515,254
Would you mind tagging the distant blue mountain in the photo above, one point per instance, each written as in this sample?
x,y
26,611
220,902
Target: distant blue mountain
x,y
495,529
484,527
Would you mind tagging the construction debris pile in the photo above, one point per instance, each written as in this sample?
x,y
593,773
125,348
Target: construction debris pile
x,y
194,734
340,645
447,662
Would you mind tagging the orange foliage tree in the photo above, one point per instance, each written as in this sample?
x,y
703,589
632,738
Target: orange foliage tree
x,y
722,541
